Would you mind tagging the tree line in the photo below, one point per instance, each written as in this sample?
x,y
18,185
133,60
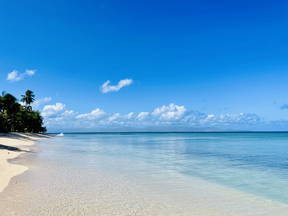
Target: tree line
x,y
19,117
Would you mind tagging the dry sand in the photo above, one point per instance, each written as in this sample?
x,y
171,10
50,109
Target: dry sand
x,y
11,146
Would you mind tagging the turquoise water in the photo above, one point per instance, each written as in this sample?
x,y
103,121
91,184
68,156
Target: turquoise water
x,y
252,162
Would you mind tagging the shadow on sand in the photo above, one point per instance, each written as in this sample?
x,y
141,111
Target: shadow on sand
x,y
23,136
11,148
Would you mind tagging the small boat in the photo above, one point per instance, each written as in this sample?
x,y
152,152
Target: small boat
x,y
60,134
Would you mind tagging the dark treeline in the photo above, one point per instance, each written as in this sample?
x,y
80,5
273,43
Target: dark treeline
x,y
15,117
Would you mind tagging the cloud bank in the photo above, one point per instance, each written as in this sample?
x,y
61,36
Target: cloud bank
x,y
106,87
169,117
15,75
41,101
51,111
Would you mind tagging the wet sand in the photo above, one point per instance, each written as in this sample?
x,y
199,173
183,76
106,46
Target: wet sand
x,y
53,187
11,146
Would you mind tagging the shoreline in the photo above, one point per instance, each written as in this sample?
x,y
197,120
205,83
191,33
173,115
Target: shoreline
x,y
108,190
126,195
12,145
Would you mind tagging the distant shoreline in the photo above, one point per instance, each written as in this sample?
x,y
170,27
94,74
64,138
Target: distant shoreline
x,y
127,132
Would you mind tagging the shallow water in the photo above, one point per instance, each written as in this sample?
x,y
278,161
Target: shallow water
x,y
253,162
141,173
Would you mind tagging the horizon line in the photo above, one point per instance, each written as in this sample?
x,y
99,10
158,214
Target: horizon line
x,y
102,132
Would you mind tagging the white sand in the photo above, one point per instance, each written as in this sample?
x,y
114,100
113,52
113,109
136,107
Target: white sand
x,y
105,193
11,146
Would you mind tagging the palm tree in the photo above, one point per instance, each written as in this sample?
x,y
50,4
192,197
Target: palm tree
x,y
28,98
9,108
15,117
9,103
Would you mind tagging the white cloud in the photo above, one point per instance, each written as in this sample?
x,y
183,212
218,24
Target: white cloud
x,y
94,114
170,112
15,75
52,110
106,87
171,117
41,101
30,72
142,115
68,113
210,116
130,115
114,117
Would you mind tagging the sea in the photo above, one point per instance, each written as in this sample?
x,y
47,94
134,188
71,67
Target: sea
x,y
86,167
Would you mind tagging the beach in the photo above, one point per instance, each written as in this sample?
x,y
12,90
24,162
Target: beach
x,y
144,108
111,175
11,146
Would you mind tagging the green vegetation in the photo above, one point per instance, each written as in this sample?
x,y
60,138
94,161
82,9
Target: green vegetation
x,y
15,117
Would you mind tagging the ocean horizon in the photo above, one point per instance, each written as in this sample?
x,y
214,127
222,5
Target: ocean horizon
x,y
119,132
144,108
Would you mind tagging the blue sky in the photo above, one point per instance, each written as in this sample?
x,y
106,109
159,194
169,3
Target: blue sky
x,y
212,57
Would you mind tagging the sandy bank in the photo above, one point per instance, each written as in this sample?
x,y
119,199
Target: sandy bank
x,y
92,184
11,146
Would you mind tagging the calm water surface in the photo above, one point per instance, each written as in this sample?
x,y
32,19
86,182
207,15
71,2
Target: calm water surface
x,y
252,162
141,174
